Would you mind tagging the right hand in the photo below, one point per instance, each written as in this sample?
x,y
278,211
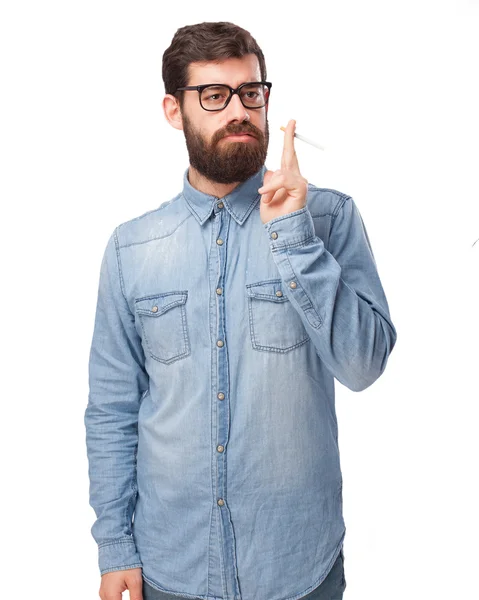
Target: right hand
x,y
116,582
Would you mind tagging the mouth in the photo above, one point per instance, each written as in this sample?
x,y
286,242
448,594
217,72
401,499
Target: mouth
x,y
240,136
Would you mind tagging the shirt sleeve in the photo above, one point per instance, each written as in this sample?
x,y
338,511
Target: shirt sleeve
x,y
337,292
117,381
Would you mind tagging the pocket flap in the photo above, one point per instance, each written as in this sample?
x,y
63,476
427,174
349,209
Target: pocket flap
x,y
267,290
154,306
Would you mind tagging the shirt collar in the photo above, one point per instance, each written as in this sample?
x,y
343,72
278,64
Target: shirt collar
x,y
240,202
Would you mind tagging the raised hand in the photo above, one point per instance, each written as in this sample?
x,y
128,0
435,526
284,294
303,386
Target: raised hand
x,y
284,190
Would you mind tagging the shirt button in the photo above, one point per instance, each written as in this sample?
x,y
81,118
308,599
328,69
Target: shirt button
x,y
292,284
279,294
219,291
220,448
220,343
154,309
219,241
221,502
274,235
220,204
221,396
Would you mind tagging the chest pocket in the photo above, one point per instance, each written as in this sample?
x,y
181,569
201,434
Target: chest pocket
x,y
275,325
163,322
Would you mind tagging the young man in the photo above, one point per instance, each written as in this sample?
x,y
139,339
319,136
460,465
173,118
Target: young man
x,y
223,318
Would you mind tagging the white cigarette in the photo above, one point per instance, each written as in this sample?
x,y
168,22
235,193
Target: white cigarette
x,y
305,139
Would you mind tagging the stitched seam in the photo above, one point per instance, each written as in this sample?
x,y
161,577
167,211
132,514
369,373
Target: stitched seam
x,y
117,248
280,350
339,206
149,212
257,346
322,215
108,570
112,543
183,293
323,189
295,213
270,297
159,237
184,353
193,209
166,308
298,244
311,305
256,283
235,214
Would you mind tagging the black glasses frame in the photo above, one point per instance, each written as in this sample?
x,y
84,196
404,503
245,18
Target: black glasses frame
x,y
200,88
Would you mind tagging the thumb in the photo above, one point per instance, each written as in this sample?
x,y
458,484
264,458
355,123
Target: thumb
x,y
267,196
267,177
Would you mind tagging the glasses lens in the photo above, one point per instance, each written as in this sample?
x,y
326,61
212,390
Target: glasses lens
x,y
254,95
214,96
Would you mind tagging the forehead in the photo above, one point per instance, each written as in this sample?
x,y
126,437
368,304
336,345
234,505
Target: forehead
x,y
233,71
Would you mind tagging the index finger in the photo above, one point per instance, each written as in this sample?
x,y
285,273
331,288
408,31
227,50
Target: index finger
x,y
289,159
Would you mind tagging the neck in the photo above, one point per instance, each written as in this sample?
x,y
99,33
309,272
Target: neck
x,y
207,186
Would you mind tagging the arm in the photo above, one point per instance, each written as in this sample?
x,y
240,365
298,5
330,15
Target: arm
x,y
117,383
338,293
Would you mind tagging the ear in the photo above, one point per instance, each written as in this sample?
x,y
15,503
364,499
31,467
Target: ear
x,y
171,108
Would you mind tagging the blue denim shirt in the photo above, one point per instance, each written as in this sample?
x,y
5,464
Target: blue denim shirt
x,y
211,428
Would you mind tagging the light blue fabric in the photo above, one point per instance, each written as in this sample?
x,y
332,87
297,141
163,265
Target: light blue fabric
x,y
211,428
332,588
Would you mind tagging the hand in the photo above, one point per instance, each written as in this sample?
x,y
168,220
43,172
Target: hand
x,y
116,582
285,190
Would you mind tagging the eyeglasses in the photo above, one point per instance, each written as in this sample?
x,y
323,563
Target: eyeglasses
x,y
213,96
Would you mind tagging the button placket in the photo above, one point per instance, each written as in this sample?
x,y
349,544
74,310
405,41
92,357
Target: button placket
x,y
220,408
220,343
222,413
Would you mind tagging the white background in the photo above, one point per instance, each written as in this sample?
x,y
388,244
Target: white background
x,y
390,88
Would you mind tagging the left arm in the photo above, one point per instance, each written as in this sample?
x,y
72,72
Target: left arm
x,y
337,293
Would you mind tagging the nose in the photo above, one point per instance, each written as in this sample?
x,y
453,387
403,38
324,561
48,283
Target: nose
x,y
235,110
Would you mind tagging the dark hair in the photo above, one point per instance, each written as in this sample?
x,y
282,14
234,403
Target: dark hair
x,y
205,42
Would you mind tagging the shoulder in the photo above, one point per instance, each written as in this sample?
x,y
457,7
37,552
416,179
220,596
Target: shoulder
x,y
325,201
153,224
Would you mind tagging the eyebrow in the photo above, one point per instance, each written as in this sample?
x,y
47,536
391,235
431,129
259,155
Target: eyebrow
x,y
222,83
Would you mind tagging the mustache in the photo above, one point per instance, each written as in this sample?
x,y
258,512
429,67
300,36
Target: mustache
x,y
245,129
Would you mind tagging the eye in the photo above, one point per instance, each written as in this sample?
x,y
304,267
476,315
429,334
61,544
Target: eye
x,y
213,96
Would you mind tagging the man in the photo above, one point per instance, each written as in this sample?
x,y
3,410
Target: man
x,y
223,318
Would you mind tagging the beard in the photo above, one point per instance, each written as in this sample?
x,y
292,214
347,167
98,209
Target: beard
x,y
230,161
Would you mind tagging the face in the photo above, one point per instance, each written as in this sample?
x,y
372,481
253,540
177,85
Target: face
x,y
212,153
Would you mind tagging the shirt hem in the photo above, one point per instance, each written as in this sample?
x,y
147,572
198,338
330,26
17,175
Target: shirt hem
x,y
299,596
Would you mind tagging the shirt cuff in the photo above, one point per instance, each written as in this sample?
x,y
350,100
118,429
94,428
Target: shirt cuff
x,y
294,229
118,556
